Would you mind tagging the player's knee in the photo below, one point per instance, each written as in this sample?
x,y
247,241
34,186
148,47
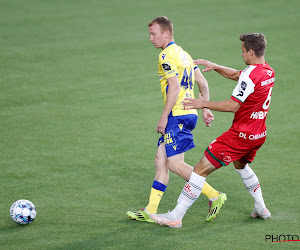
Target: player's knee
x,y
173,166
239,165
160,164
204,167
158,161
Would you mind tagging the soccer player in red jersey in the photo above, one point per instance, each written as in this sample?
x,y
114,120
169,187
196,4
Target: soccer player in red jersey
x,y
250,102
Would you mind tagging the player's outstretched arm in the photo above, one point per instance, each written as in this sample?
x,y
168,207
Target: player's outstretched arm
x,y
208,117
222,106
227,72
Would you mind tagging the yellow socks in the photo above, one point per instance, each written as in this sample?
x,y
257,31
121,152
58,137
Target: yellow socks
x,y
157,192
209,191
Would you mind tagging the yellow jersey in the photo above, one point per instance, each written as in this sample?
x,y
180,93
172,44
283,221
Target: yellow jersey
x,y
173,60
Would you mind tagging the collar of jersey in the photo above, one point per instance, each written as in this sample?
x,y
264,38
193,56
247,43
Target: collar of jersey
x,y
260,64
170,44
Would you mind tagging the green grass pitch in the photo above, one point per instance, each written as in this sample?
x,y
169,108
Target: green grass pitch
x,y
79,104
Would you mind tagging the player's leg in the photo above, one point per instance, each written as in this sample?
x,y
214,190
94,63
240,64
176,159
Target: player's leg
x,y
158,188
177,165
160,181
182,127
188,196
205,169
252,184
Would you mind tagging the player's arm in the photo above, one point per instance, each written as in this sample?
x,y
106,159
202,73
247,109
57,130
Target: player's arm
x,y
208,117
223,106
172,95
202,84
227,72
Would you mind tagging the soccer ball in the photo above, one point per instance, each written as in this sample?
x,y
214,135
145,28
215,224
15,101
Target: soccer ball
x,y
22,212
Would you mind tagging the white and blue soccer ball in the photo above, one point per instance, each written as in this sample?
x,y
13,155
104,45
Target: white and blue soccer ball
x,y
23,211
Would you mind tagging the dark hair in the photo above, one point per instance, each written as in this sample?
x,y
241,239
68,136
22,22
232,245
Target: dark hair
x,y
163,22
255,41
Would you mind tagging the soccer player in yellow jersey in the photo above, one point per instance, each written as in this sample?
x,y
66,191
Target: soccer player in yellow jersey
x,y
177,75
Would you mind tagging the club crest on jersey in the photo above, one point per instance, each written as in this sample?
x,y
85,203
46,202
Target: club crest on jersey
x,y
227,159
166,66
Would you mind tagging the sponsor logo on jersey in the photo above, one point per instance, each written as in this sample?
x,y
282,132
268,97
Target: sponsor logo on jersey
x,y
259,115
163,56
243,135
271,80
166,66
258,136
253,137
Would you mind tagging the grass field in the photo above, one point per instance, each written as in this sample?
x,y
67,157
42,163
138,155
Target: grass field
x,y
79,104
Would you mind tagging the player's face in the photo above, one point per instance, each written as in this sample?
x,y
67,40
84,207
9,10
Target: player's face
x,y
157,37
246,54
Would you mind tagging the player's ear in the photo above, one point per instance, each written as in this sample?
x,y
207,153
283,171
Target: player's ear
x,y
167,33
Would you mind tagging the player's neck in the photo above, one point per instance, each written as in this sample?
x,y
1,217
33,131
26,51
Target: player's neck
x,y
166,43
258,60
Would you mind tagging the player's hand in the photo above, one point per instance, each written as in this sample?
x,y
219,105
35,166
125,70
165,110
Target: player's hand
x,y
161,126
209,65
208,117
190,103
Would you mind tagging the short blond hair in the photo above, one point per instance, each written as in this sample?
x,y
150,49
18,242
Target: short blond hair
x,y
163,22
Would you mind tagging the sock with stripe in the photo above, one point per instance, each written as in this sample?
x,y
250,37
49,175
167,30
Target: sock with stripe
x,y
252,184
188,196
156,194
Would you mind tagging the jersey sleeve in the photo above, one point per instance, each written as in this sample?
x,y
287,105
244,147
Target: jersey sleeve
x,y
245,86
195,66
168,64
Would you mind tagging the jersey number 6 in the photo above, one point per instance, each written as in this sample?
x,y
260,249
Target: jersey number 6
x,y
267,102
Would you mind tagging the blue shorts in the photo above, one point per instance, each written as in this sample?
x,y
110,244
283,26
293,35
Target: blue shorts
x,y
178,136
